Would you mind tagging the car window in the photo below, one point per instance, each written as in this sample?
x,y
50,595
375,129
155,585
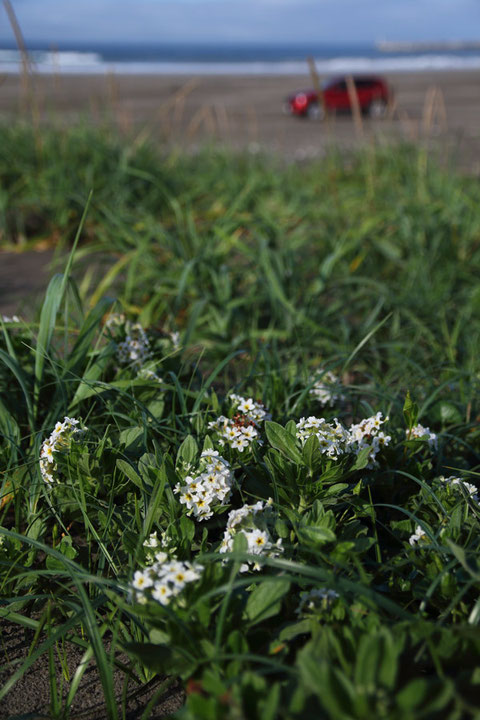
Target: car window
x,y
362,84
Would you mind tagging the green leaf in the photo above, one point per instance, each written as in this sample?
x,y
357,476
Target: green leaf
x,y
265,600
66,548
410,411
291,427
314,535
334,490
269,707
302,627
447,413
362,459
311,453
188,450
281,440
160,658
413,694
130,472
132,439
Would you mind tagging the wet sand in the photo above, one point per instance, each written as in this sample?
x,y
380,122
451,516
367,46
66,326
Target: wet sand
x,y
246,111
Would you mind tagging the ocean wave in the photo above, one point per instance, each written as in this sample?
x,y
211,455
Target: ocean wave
x,y
73,62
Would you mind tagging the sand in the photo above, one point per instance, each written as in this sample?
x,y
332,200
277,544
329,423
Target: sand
x,y
246,111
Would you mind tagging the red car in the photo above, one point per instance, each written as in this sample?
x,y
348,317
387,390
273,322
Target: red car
x,y
373,96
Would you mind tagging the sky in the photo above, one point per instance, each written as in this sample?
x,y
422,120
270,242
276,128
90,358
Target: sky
x,y
243,21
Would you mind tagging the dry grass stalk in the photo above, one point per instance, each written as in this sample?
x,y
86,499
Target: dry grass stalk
x,y
317,85
203,116
355,106
409,126
428,110
392,107
26,84
434,117
177,103
252,124
222,121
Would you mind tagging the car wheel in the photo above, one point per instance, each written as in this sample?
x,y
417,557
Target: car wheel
x,y
315,111
377,108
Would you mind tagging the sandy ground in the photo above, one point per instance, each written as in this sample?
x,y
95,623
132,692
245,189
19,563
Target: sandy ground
x,y
23,280
29,699
246,112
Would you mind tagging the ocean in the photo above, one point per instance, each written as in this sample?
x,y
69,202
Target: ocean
x,y
237,59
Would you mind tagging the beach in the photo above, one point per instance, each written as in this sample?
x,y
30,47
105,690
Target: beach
x,y
439,109
245,112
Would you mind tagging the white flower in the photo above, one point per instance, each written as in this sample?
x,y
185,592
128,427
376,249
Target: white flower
x,y
142,580
419,534
59,440
246,406
135,349
253,411
459,483
321,598
175,338
207,487
164,580
325,389
210,454
240,443
258,540
248,520
419,432
47,451
152,541
162,593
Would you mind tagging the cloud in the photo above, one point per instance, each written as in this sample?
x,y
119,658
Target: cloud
x,y
256,21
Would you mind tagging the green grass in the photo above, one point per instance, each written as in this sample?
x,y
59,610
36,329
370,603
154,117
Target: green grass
x,y
272,275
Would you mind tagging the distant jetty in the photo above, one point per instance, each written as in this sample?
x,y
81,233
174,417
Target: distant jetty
x,y
391,46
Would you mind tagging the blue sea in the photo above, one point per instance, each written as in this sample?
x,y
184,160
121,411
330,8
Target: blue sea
x,y
176,59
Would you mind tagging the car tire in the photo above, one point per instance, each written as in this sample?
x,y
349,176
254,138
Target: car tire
x,y
377,108
315,111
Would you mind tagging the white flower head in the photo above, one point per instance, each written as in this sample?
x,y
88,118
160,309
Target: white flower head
x,y
418,535
326,388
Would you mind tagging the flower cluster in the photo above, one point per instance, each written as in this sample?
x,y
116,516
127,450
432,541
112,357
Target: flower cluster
x,y
135,349
59,441
367,434
335,440
11,320
316,599
240,431
164,579
209,487
332,437
458,483
154,544
133,346
114,321
419,432
419,534
326,389
251,521
253,411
